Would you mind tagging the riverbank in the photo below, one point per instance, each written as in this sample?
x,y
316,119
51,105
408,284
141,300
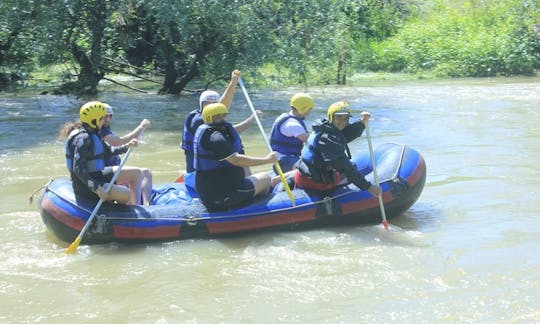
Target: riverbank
x,y
43,83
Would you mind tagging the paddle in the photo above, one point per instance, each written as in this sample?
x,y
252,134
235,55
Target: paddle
x,y
276,164
381,205
73,246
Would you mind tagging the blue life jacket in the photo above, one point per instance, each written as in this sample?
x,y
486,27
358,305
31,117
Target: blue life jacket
x,y
311,154
113,159
95,162
206,160
285,144
193,121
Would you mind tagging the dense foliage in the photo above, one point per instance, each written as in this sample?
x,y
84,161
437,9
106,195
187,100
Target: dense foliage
x,y
488,39
178,42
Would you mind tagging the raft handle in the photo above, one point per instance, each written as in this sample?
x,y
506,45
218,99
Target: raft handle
x,y
327,201
31,198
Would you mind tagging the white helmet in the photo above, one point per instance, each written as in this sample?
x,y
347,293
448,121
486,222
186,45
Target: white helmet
x,y
108,108
208,96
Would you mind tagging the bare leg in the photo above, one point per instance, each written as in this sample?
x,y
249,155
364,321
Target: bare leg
x,y
261,181
146,185
132,177
118,193
277,179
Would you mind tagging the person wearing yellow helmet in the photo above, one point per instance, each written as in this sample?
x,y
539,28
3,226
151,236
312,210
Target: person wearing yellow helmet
x,y
289,132
194,120
114,140
220,161
325,159
86,152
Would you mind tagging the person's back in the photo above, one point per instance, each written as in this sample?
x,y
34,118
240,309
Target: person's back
x,y
220,160
289,131
194,120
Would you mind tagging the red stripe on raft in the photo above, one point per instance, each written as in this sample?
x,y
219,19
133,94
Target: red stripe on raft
x,y
418,172
159,232
261,221
60,215
360,205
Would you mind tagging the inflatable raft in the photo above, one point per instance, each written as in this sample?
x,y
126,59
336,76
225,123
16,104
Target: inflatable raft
x,y
175,215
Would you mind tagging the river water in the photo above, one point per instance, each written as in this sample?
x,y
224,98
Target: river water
x,y
467,251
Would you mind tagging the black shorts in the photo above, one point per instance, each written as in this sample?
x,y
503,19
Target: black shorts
x,y
81,189
103,176
244,192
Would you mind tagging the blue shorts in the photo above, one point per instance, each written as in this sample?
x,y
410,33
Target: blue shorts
x,y
243,193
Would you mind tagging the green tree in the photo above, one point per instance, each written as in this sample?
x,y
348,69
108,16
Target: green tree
x,y
185,39
17,37
76,33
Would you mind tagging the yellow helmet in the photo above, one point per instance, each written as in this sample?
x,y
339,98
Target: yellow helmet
x,y
338,108
302,103
91,112
213,109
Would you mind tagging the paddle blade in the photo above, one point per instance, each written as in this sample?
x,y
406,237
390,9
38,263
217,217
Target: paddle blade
x,y
385,224
180,179
73,246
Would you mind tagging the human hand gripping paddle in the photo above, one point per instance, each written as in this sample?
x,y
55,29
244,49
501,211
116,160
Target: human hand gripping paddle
x,y
75,244
381,205
276,164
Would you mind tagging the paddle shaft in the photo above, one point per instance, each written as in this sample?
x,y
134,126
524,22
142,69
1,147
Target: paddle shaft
x,y
276,164
73,246
372,156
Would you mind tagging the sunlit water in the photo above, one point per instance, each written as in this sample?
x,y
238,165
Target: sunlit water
x,y
467,251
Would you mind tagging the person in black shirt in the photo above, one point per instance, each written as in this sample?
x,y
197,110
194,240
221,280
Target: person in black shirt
x,y
220,161
325,159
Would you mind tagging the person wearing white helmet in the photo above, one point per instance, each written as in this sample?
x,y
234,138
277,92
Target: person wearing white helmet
x,y
194,120
114,140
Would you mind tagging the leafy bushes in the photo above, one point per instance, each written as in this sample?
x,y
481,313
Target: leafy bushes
x,y
495,38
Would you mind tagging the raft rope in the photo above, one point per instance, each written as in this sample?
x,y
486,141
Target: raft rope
x,y
31,198
191,219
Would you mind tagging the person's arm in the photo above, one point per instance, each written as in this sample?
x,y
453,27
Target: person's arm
x,y
345,166
115,140
246,123
242,160
116,150
303,137
228,94
225,150
355,129
293,128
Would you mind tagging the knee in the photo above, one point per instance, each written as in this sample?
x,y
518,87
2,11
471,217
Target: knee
x,y
147,174
136,176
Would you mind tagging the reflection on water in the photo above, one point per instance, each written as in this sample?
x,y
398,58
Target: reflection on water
x,y
466,251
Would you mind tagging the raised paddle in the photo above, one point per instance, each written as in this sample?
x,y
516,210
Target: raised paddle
x,y
276,164
381,205
75,244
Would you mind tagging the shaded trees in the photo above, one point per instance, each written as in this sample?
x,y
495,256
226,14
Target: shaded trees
x,y
77,28
17,37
